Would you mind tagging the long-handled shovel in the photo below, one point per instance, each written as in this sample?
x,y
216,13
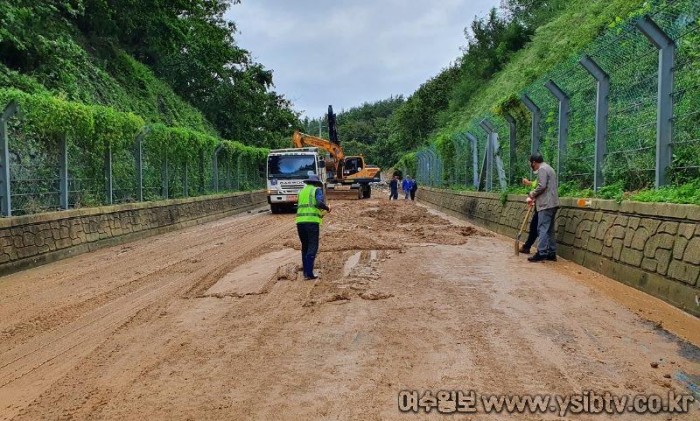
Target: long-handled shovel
x,y
522,227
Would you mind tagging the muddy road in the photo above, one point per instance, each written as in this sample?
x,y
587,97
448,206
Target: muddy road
x,y
214,323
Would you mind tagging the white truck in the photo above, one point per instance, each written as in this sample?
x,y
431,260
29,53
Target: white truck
x,y
286,171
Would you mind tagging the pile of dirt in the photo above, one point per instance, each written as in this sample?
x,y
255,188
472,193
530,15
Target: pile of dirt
x,y
391,225
356,236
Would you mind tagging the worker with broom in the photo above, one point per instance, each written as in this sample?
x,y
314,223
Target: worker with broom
x,y
309,206
546,199
532,231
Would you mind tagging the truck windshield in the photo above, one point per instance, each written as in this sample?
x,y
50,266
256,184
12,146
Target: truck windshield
x,y
290,166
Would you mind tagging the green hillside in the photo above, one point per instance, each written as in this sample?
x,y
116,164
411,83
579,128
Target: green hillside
x,y
513,51
173,63
90,77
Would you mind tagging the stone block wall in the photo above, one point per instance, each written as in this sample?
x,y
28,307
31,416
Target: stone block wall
x,y
27,241
654,247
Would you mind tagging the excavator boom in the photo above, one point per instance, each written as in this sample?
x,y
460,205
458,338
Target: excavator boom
x,y
302,140
348,174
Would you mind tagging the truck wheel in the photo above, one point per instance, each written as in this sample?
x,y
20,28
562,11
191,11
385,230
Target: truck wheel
x,y
275,208
366,191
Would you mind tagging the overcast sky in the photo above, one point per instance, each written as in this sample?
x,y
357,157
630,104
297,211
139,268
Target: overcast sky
x,y
346,53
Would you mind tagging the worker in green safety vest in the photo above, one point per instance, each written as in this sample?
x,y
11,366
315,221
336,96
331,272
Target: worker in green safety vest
x,y
309,206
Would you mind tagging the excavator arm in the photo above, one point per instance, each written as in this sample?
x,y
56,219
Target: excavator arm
x,y
302,140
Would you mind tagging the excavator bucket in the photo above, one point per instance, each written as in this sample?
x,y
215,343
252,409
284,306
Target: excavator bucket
x,y
343,193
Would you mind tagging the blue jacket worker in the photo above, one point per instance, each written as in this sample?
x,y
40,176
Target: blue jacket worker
x,y
309,206
406,186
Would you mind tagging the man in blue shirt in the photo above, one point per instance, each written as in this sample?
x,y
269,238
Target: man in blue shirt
x,y
406,186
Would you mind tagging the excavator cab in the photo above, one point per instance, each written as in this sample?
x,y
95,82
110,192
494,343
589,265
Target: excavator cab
x,y
353,165
347,176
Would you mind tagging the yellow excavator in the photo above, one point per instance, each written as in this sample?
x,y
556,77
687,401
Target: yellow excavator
x,y
346,176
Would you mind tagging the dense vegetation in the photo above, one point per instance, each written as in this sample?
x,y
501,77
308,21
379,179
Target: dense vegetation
x,y
170,62
98,71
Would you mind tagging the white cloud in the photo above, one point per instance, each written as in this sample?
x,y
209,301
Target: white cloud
x,y
347,53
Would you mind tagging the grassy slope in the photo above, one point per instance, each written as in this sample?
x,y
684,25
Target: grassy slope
x,y
101,74
579,24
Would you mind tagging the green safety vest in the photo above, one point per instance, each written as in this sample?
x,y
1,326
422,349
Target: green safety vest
x,y
306,206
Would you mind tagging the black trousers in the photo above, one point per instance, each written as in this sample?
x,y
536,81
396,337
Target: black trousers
x,y
532,231
308,234
413,194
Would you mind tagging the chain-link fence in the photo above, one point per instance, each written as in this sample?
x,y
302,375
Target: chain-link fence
x,y
44,171
622,112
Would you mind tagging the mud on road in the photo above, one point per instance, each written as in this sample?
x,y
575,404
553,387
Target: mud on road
x,y
214,322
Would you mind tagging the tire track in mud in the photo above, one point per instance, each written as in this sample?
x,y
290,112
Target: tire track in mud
x,y
459,312
193,247
31,367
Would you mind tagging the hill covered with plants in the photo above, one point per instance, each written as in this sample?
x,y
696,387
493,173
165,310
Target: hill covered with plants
x,y
170,62
513,51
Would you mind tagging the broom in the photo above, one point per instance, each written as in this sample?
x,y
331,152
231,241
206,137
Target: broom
x,y
522,227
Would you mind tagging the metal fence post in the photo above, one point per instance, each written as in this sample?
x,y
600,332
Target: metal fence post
x,y
426,168
511,144
488,128
536,117
164,176
563,122
185,185
429,167
63,173
228,185
421,168
475,160
601,117
202,177
138,155
5,188
109,186
418,173
215,166
436,173
464,143
461,142
664,113
238,173
495,152
453,173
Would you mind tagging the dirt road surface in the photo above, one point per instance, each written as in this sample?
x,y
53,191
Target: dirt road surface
x,y
214,323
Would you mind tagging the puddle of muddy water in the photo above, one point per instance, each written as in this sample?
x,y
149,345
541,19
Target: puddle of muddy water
x,y
252,277
690,381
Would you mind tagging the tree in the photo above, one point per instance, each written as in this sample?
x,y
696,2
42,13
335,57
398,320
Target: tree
x,y
190,45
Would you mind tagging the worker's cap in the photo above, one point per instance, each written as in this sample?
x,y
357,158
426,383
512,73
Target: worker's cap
x,y
313,179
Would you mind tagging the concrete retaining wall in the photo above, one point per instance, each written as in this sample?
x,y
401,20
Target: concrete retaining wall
x,y
654,247
32,240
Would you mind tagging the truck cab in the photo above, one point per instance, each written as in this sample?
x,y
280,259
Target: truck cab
x,y
286,171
